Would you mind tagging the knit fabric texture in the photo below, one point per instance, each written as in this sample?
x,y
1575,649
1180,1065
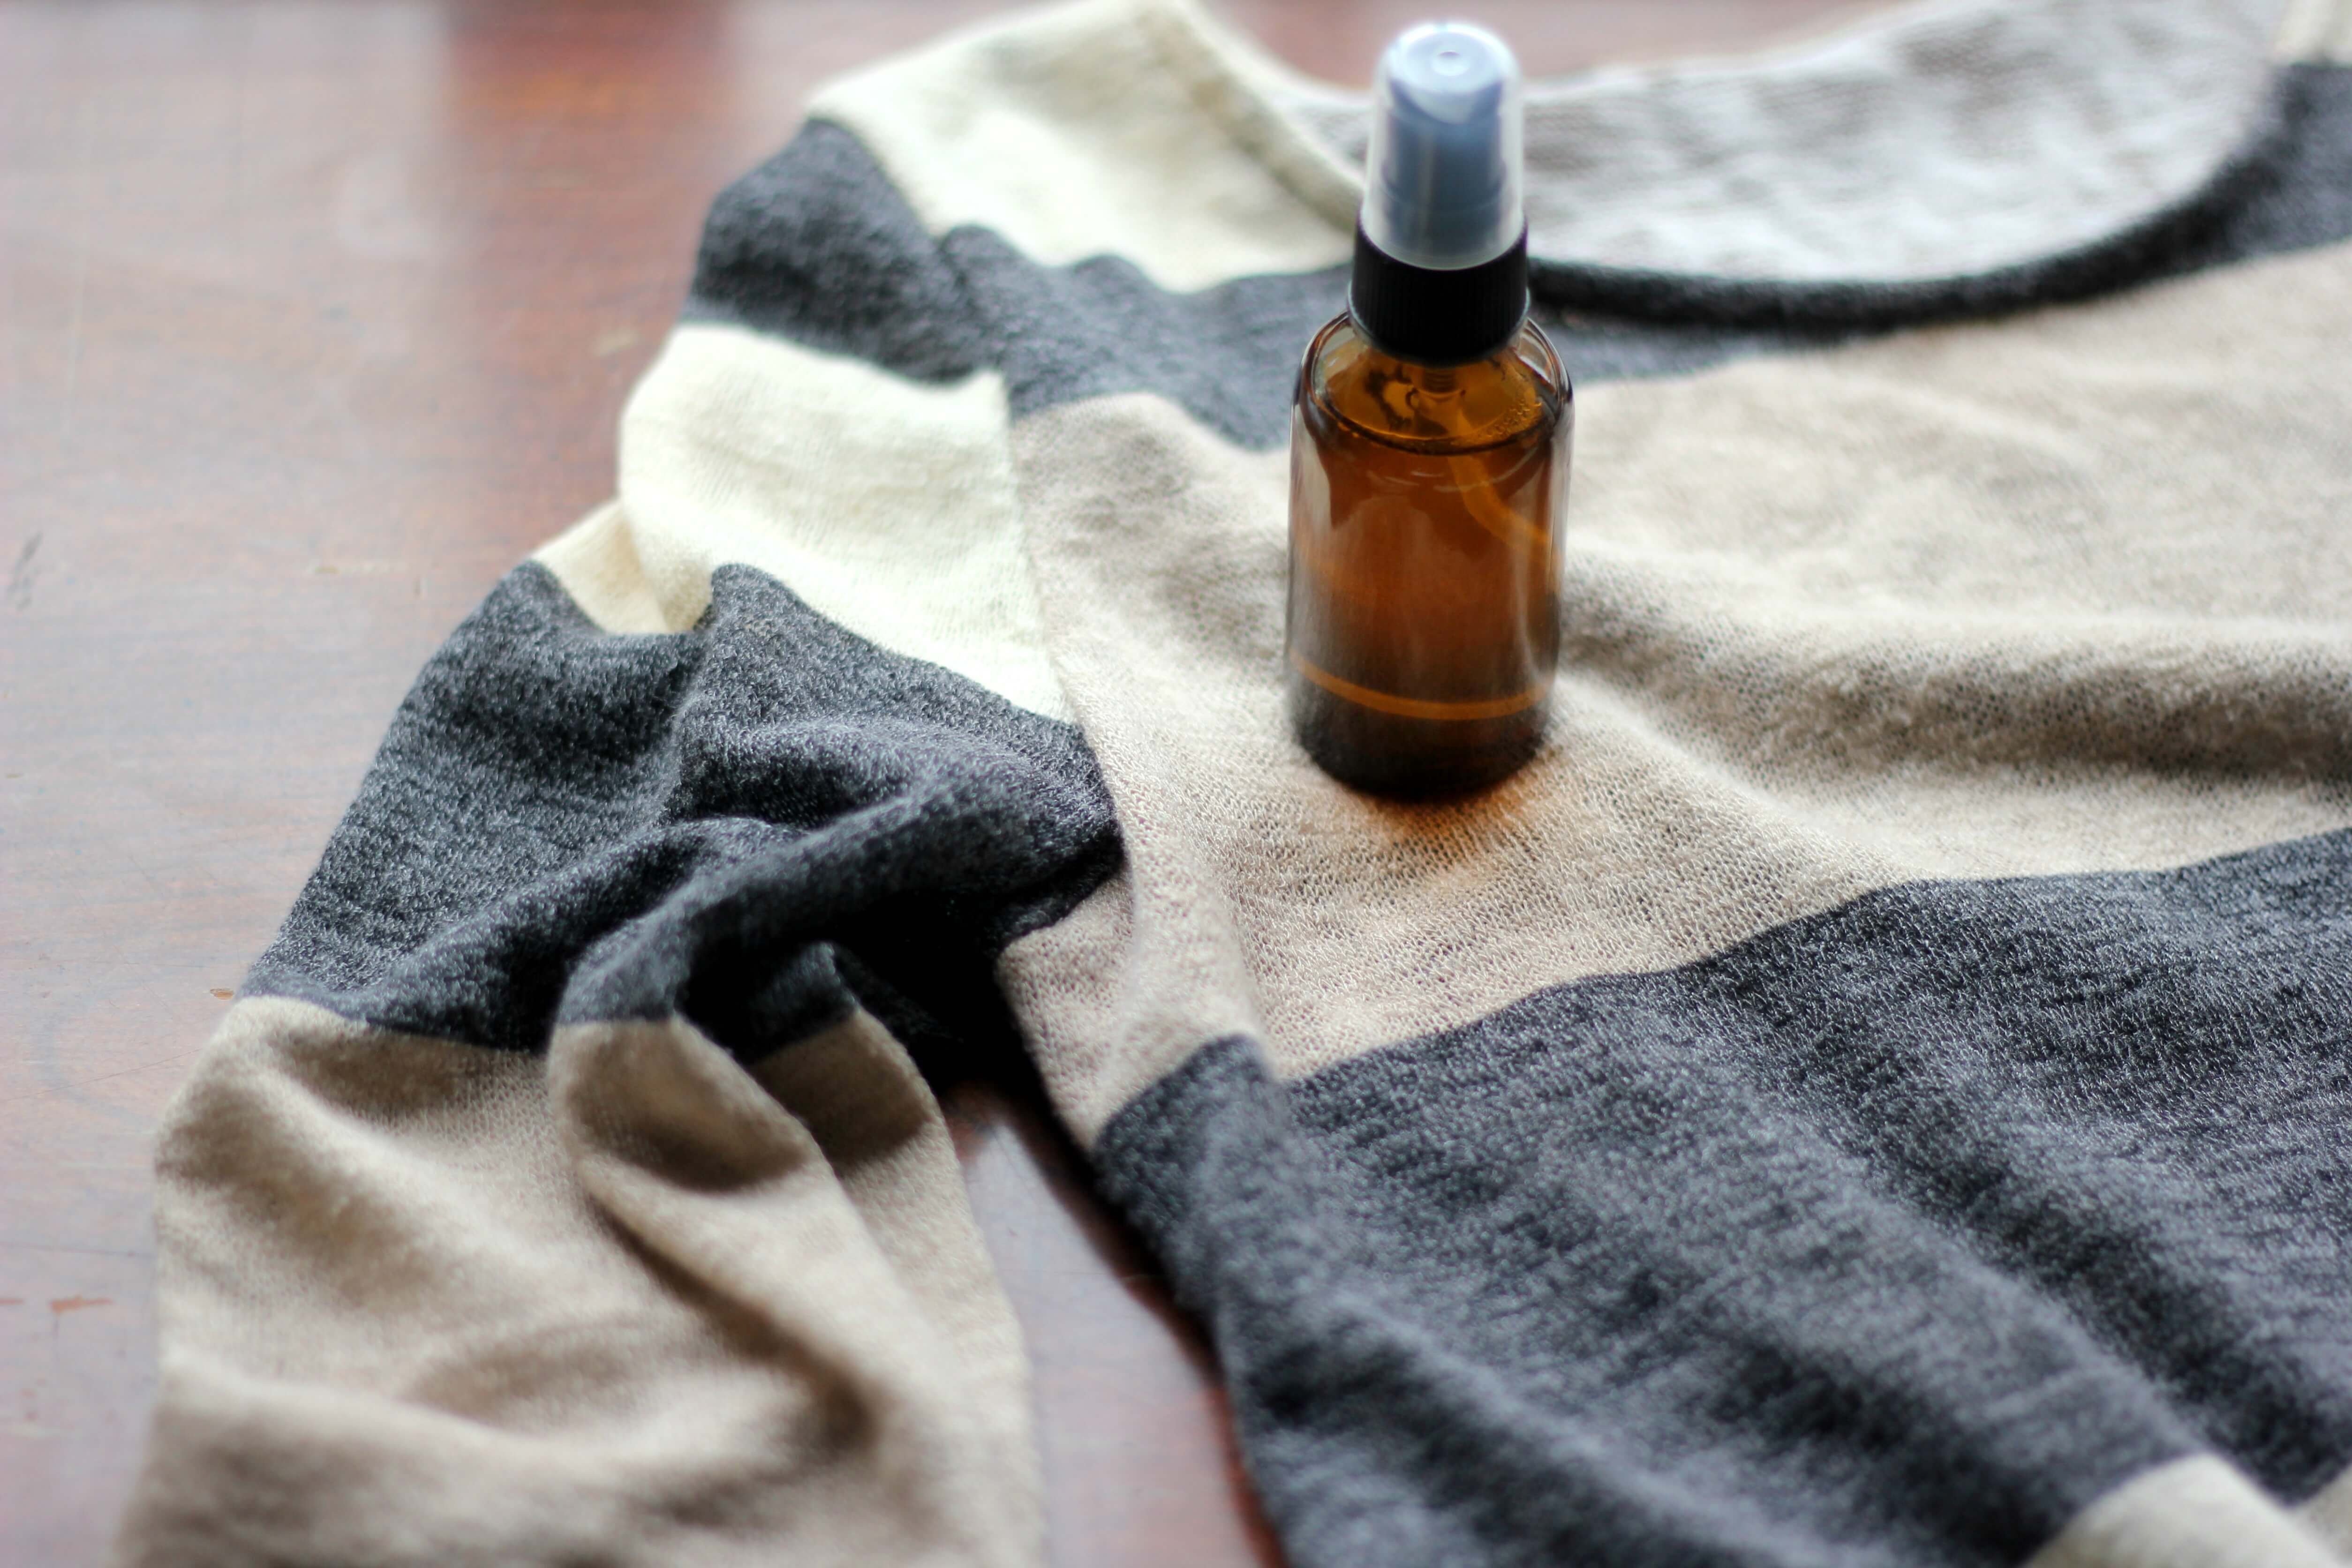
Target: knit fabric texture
x,y
1873,1091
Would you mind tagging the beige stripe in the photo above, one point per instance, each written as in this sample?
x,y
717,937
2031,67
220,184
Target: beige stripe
x,y
1122,990
2196,1512
2316,31
2064,594
626,1304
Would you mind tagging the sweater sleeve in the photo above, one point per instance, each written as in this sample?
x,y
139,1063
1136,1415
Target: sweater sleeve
x,y
563,1185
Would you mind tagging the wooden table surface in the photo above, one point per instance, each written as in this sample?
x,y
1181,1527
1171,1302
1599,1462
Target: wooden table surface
x,y
314,317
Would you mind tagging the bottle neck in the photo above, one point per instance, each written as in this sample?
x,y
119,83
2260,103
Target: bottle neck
x,y
1438,316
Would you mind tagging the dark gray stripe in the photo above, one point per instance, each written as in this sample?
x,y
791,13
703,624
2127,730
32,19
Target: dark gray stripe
x,y
816,246
760,823
1893,1236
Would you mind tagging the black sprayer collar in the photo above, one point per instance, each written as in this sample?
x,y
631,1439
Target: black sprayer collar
x,y
1433,316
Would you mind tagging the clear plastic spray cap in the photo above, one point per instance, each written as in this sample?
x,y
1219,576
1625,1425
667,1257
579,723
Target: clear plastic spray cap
x,y
1441,180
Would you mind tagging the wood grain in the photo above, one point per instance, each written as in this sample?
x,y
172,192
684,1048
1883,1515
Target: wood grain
x,y
313,318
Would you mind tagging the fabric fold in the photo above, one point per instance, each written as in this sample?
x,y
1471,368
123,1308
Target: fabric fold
x,y
430,1301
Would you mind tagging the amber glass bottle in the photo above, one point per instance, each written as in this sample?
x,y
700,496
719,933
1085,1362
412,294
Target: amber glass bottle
x,y
1430,446
1424,561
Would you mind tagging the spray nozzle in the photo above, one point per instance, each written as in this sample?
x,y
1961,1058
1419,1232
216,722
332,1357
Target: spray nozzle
x,y
1442,181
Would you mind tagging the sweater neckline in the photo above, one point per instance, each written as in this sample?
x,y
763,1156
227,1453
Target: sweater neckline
x,y
1920,147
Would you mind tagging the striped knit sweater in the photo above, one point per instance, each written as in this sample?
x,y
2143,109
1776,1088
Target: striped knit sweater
x,y
1873,1091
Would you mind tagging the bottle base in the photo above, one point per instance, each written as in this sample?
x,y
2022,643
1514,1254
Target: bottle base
x,y
1411,758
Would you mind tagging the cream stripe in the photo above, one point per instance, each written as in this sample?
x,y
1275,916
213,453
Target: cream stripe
x,y
885,503
596,560
2196,1512
1062,131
